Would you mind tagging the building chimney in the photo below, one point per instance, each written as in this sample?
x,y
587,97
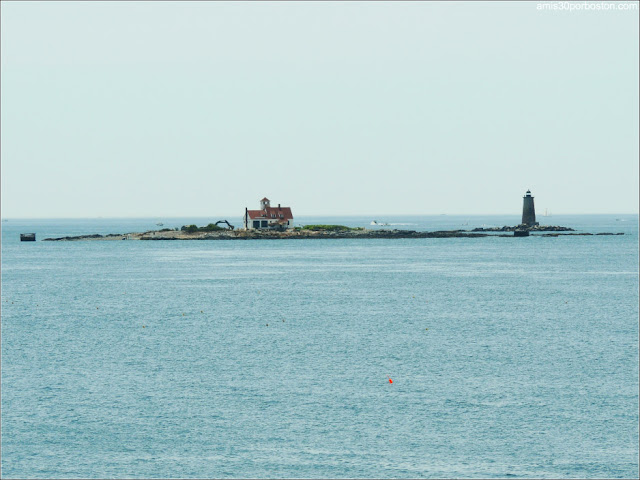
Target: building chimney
x,y
278,206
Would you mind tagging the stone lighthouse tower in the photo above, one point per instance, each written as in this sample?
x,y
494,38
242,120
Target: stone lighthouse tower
x,y
528,210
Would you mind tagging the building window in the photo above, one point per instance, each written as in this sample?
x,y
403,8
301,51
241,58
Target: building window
x,y
265,223
256,224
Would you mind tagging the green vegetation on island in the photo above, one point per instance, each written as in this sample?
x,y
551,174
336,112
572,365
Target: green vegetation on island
x,y
212,227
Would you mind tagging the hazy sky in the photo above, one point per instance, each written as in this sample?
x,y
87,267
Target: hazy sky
x,y
200,109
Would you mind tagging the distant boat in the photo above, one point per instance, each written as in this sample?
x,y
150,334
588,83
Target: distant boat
x,y
375,222
160,224
546,213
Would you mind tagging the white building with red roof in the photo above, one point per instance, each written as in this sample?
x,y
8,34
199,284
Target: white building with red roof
x,y
268,217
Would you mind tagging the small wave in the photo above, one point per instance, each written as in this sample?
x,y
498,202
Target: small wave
x,y
402,224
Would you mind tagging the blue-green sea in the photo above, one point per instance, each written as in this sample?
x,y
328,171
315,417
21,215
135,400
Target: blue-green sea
x,y
510,357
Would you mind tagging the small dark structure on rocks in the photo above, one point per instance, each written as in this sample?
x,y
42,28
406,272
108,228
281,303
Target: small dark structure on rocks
x,y
27,237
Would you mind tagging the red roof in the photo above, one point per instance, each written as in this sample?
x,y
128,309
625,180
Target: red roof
x,y
265,199
272,213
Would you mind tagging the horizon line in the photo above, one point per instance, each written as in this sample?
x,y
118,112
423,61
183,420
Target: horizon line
x,y
107,217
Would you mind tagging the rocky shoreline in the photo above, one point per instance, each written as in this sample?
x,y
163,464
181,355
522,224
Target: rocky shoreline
x,y
272,235
309,234
535,228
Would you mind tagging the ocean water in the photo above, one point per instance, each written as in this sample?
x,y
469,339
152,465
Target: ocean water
x,y
510,357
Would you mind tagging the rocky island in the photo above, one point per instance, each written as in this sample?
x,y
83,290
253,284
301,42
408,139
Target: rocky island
x,y
276,223
212,232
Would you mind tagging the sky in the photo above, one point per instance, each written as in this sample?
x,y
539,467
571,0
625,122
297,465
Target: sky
x,y
169,109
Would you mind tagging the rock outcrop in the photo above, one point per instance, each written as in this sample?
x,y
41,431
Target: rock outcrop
x,y
534,228
311,234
